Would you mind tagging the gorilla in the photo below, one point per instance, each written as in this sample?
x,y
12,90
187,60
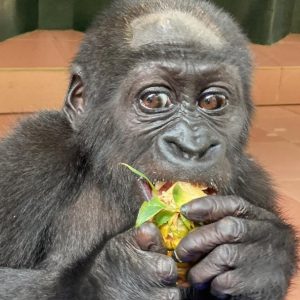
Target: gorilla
x,y
165,87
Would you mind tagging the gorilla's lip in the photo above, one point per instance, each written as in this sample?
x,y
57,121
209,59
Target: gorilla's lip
x,y
146,190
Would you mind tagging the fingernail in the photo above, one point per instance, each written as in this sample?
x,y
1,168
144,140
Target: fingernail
x,y
167,271
176,258
164,267
184,210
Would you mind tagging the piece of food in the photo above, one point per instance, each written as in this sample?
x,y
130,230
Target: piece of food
x,y
163,209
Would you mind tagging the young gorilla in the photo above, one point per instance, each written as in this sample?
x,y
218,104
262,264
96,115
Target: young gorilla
x,y
164,86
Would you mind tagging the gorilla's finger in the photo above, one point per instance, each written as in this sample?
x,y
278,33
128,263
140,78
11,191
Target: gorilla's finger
x,y
213,208
229,230
220,260
226,284
148,238
158,268
243,281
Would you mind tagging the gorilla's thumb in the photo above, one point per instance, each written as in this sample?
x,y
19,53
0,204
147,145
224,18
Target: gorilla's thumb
x,y
148,238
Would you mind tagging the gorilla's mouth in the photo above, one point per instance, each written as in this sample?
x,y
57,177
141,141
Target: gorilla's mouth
x,y
163,186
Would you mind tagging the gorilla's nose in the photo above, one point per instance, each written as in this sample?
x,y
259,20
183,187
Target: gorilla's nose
x,y
184,143
188,148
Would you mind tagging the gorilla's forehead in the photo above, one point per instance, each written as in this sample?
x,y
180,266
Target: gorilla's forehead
x,y
174,27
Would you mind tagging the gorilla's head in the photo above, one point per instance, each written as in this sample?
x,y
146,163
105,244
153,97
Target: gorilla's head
x,y
163,86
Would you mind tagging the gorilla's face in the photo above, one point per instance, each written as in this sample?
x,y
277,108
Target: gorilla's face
x,y
186,118
184,109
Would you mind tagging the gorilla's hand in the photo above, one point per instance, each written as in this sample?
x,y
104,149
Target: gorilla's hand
x,y
132,266
245,252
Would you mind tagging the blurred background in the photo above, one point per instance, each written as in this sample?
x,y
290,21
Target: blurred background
x,y
39,38
264,21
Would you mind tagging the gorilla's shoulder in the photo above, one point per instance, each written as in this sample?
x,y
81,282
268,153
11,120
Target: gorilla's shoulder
x,y
42,127
44,122
254,184
43,134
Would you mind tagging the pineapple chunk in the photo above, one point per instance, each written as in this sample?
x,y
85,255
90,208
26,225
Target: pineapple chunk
x,y
164,211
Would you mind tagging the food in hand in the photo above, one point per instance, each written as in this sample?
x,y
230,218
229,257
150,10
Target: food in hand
x,y
163,209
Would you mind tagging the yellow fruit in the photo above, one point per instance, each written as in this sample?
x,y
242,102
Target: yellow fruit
x,y
178,226
191,191
173,232
164,211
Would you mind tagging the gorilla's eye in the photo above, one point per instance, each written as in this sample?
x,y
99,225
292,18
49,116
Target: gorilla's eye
x,y
212,101
155,100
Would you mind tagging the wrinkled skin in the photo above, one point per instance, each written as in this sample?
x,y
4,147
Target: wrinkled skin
x,y
165,87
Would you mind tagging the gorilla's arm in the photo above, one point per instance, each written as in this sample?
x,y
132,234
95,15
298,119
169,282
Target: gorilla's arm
x,y
58,240
46,284
25,284
124,269
37,182
74,281
39,167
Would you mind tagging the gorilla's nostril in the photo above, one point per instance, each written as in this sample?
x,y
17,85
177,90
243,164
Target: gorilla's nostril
x,y
186,155
174,146
178,150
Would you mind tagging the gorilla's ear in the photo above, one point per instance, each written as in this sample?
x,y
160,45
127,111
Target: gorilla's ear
x,y
74,102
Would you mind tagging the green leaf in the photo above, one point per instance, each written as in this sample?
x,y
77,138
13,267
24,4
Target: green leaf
x,y
178,194
163,217
148,210
187,223
156,201
140,174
